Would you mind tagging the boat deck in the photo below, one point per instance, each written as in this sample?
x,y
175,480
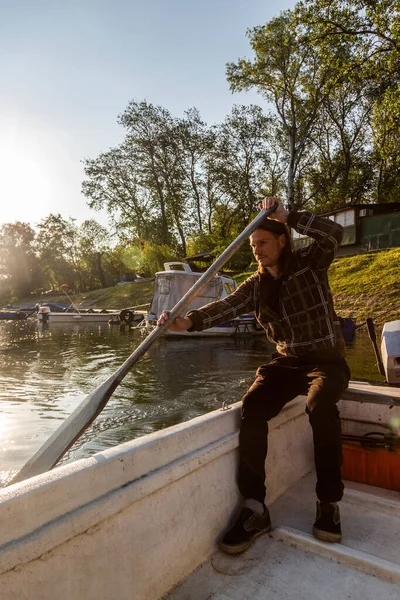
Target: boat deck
x,y
289,563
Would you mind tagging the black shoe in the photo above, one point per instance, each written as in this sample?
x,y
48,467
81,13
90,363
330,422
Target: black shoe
x,y
248,527
327,523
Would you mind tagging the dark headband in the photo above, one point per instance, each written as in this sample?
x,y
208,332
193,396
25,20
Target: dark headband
x,y
273,226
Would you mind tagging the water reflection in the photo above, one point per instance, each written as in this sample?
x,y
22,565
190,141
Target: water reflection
x,y
46,373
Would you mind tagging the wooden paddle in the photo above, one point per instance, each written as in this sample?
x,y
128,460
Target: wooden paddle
x,y
62,439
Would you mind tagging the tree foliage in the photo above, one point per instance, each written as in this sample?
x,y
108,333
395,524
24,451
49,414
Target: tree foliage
x,y
18,263
372,30
170,176
288,72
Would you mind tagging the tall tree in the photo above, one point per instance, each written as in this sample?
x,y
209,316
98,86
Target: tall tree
x,y
93,244
113,183
243,157
141,181
151,139
288,72
57,245
372,28
342,165
195,141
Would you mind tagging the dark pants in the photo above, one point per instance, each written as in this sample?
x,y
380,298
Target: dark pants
x,y
275,385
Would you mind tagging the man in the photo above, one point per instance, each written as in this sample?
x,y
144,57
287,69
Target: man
x,y
292,300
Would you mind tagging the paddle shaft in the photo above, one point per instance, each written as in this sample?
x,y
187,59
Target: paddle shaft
x,y
62,439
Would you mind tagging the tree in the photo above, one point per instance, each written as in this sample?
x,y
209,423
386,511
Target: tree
x,y
141,181
372,28
288,72
342,165
57,246
113,183
18,263
386,145
93,244
243,159
195,142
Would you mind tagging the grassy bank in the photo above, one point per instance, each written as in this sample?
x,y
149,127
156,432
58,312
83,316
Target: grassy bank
x,y
366,285
116,297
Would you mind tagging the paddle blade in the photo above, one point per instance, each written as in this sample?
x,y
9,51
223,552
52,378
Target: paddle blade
x,y
69,431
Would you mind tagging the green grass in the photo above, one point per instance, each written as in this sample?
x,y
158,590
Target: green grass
x,y
366,285
243,276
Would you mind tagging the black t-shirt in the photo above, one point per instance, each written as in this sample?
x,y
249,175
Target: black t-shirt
x,y
270,289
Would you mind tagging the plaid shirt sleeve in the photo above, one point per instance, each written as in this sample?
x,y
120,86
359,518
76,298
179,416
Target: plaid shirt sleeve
x,y
327,236
240,302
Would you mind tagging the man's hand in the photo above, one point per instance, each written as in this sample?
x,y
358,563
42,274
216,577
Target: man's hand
x,y
281,214
178,324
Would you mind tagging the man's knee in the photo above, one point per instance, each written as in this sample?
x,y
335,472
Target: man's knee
x,y
259,408
325,392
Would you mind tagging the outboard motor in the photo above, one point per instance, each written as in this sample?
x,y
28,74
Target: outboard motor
x,y
43,314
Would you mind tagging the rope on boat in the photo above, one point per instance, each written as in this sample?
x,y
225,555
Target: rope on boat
x,y
374,439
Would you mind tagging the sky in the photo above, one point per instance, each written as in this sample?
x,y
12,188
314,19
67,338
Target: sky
x,y
68,68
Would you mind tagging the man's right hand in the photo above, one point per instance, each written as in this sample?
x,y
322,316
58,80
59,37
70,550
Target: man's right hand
x,y
280,214
178,324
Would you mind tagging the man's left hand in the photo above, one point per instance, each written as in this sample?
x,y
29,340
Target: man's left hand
x,y
280,214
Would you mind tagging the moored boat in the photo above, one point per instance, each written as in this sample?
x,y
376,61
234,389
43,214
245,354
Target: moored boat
x,y
137,520
172,284
125,316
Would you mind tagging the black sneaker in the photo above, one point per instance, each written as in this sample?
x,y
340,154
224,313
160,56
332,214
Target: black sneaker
x,y
248,527
327,522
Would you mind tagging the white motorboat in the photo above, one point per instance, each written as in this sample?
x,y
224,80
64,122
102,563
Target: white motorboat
x,y
127,316
172,284
140,521
390,350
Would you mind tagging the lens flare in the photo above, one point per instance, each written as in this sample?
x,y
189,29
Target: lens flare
x,y
394,424
131,258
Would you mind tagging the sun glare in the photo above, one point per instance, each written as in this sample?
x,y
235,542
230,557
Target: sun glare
x,y
25,181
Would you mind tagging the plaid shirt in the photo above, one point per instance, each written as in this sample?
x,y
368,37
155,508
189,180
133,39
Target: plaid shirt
x,y
306,324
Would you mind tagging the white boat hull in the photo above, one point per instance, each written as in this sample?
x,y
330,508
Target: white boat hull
x,y
135,520
80,317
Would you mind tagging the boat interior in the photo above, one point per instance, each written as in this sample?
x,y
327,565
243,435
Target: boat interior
x,y
289,563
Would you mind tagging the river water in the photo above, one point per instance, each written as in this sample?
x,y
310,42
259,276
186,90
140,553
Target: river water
x,y
46,373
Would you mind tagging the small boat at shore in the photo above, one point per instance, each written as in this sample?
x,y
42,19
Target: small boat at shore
x,y
126,316
172,284
12,315
141,520
390,350
46,315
